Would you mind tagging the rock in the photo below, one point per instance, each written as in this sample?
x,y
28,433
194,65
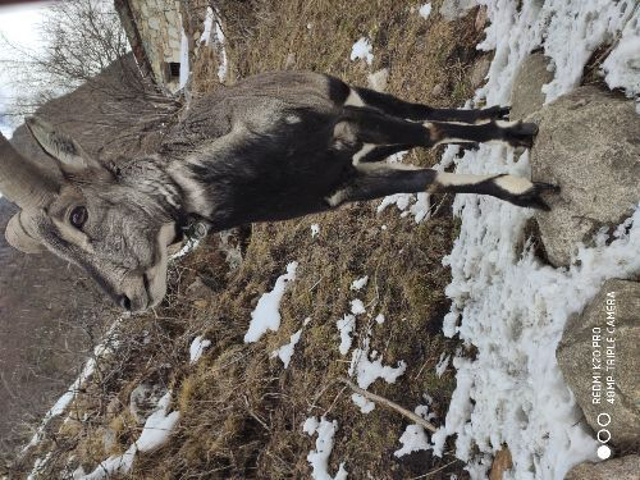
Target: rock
x,y
231,246
453,9
527,96
589,145
438,90
584,346
502,463
481,18
144,399
378,80
290,62
624,468
109,439
479,71
198,289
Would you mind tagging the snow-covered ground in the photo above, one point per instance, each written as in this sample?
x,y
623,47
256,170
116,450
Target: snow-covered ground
x,y
509,305
319,458
266,315
362,49
214,37
156,432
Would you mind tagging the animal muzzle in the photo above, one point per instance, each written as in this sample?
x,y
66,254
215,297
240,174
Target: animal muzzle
x,y
140,292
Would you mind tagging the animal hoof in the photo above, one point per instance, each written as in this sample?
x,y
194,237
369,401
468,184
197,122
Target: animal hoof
x,y
533,198
529,129
495,113
522,134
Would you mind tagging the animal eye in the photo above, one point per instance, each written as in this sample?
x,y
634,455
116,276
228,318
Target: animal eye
x,y
78,217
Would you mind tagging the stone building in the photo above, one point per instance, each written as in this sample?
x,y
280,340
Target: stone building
x,y
155,30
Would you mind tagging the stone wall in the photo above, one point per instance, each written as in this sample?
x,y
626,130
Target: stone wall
x,y
159,24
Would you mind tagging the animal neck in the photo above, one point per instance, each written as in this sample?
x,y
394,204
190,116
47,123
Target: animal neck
x,y
195,193
149,177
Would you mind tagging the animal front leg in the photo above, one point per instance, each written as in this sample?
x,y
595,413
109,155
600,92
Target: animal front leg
x,y
421,113
517,190
375,130
516,134
379,180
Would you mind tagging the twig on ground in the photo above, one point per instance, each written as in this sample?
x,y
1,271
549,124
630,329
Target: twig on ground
x,y
432,472
388,403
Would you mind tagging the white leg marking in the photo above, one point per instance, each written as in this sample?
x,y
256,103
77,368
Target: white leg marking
x,y
360,154
447,179
353,100
506,124
455,140
337,198
513,185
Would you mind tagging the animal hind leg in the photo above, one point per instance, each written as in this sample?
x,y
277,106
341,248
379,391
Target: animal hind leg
x,y
378,180
372,128
419,112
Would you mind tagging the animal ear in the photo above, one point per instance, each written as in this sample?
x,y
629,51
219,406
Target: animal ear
x,y
19,239
71,157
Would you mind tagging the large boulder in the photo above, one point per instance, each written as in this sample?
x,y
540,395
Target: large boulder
x,y
527,97
624,468
600,361
589,145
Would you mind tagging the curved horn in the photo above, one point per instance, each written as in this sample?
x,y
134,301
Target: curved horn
x,y
18,237
20,181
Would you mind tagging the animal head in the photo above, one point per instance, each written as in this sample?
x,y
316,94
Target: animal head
x,y
111,225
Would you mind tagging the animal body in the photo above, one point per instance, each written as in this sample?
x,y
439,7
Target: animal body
x,y
273,147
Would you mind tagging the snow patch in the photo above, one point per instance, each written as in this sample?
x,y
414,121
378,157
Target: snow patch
x,y
197,348
207,26
357,307
155,434
213,37
368,370
266,315
285,352
414,437
622,67
319,458
222,51
346,325
425,10
362,50
363,403
359,283
185,71
158,426
442,365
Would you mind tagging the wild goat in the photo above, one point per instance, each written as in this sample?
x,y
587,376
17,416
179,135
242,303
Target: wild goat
x,y
273,147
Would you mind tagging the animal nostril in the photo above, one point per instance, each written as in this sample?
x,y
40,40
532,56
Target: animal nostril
x,y
125,302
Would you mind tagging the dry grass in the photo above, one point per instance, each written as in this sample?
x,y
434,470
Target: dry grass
x,y
241,412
